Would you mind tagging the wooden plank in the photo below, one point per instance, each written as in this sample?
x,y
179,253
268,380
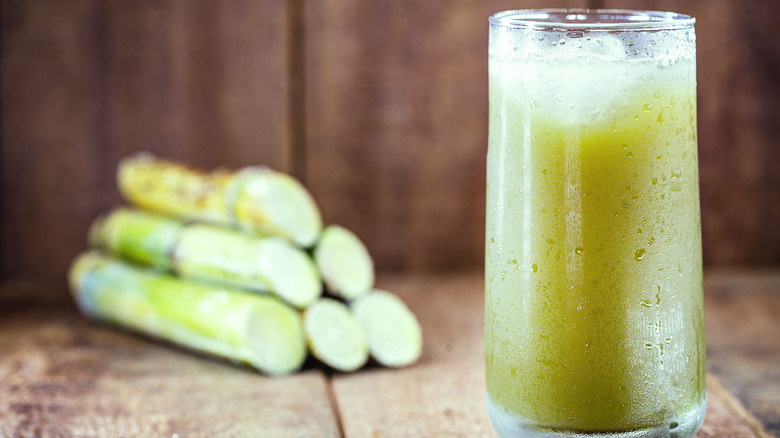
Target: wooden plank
x,y
444,394
201,82
725,417
88,83
230,81
51,128
61,375
743,348
739,111
396,124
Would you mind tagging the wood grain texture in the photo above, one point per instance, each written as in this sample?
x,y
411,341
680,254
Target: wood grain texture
x,y
52,113
738,114
444,394
62,376
88,83
396,125
381,107
743,346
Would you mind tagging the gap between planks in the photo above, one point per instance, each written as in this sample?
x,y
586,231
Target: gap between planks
x,y
334,405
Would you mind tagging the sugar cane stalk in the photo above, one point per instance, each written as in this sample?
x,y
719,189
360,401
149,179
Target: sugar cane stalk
x,y
256,199
248,328
210,253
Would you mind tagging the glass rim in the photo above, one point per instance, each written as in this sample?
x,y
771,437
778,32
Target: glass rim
x,y
591,19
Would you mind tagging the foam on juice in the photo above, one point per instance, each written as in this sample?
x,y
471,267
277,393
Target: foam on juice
x,y
576,77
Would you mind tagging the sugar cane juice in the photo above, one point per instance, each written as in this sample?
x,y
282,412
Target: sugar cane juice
x,y
594,315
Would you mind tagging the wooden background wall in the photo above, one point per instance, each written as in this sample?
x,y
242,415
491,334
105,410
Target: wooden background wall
x,y
380,107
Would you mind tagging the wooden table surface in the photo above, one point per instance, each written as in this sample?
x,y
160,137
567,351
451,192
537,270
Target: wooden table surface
x,y
63,376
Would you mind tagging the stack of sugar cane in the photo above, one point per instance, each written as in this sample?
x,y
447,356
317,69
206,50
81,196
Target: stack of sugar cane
x,y
233,264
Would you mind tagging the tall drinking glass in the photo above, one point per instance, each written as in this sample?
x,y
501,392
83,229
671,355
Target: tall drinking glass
x,y
594,321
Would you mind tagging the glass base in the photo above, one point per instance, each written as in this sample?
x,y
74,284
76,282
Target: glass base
x,y
509,426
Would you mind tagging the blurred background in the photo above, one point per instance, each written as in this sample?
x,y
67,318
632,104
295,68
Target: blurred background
x,y
379,107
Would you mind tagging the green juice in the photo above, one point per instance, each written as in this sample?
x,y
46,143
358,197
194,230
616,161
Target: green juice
x,y
594,318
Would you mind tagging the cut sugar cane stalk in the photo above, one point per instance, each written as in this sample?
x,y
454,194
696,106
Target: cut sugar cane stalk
x,y
393,334
344,263
334,336
210,253
143,238
254,198
253,329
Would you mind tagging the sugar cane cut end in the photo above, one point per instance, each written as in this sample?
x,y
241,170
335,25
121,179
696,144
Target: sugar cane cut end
x,y
293,275
344,263
394,336
95,237
276,338
128,171
271,202
79,271
334,336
